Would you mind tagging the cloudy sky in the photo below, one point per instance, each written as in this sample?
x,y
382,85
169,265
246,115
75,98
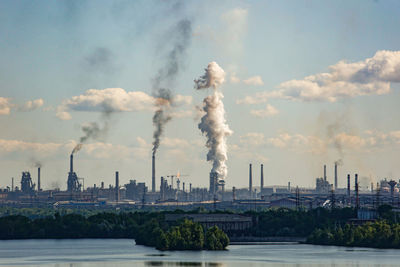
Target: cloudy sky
x,y
307,83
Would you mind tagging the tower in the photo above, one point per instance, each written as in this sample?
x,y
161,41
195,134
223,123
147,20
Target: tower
x,y
250,180
262,179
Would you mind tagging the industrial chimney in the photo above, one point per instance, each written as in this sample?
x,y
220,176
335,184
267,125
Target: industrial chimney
x,y
348,185
250,181
336,182
262,179
116,186
153,173
38,179
325,173
356,189
71,163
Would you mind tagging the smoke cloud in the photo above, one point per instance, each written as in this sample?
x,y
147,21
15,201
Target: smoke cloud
x,y
161,116
166,76
213,124
92,130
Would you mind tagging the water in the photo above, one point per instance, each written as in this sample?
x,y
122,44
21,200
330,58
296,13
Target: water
x,y
106,252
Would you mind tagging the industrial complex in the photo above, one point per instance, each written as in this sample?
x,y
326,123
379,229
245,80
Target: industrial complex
x,y
172,193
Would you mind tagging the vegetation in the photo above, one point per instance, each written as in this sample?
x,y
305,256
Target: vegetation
x,y
379,234
147,229
321,226
300,223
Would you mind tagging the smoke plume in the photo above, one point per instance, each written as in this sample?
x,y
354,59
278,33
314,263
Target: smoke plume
x,y
161,116
213,123
181,36
92,130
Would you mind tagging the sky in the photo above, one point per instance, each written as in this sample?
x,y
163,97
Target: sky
x,y
306,83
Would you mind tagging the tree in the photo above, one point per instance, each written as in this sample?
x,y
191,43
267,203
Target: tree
x,y
216,239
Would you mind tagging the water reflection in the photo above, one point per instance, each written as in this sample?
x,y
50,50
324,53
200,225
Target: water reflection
x,y
187,263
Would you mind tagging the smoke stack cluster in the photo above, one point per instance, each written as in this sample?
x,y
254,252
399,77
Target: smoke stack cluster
x,y
213,124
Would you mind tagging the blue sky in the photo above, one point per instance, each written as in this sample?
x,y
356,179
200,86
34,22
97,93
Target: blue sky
x,y
58,50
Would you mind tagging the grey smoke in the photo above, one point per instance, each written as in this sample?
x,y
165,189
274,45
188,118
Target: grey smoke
x,y
161,116
180,35
93,131
100,59
35,162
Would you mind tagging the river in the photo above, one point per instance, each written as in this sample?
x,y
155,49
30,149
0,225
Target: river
x,y
114,252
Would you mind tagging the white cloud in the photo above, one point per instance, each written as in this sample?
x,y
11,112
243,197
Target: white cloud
x,y
235,21
112,99
233,78
32,105
368,142
5,106
263,113
255,80
371,76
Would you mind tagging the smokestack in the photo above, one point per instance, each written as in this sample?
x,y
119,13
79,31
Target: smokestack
x,y
71,163
348,185
336,185
250,180
288,187
116,186
356,189
38,179
262,179
153,173
325,173
12,184
234,193
190,187
162,188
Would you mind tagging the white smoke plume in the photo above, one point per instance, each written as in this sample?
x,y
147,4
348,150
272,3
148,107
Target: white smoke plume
x,y
213,123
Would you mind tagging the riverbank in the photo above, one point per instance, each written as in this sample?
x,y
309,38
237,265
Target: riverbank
x,y
266,239
124,252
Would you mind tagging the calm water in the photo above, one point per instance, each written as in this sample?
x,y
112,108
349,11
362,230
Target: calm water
x,y
101,252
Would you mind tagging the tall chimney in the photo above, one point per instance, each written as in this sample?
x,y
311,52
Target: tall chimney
x,y
348,185
250,181
12,184
234,193
356,189
190,187
71,163
38,179
116,186
335,175
153,173
325,173
183,186
162,188
262,179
